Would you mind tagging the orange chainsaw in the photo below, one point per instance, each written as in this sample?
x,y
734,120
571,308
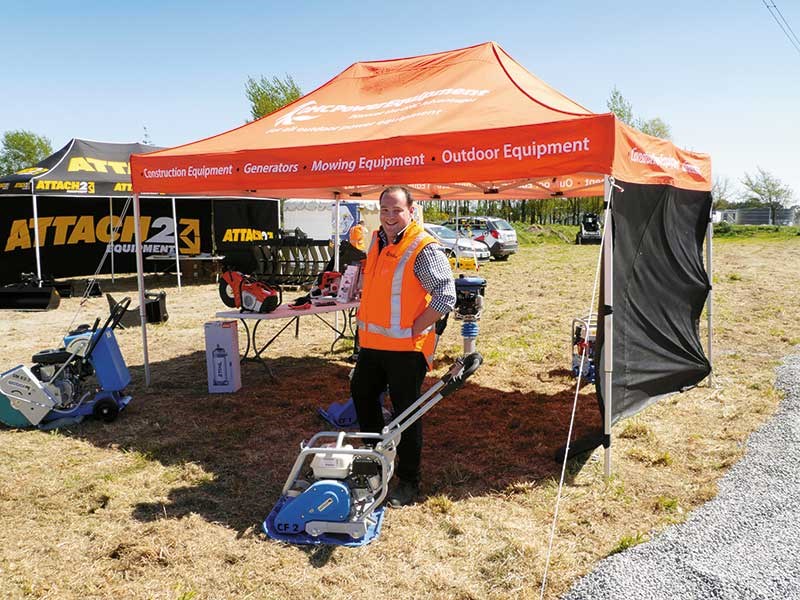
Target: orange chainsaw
x,y
247,293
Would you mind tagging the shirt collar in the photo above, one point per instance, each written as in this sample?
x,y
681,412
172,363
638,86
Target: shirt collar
x,y
383,239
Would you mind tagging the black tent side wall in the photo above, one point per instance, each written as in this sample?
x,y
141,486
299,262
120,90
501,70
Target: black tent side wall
x,y
16,238
238,244
660,288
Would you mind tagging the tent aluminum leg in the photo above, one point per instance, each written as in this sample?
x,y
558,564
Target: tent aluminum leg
x,y
336,233
710,300
608,323
110,247
458,233
175,235
140,281
36,235
336,242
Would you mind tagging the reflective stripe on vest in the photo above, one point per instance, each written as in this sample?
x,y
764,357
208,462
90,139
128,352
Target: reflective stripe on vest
x,y
394,330
388,310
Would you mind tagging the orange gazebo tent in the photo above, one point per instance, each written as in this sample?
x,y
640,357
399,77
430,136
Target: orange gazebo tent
x,y
472,123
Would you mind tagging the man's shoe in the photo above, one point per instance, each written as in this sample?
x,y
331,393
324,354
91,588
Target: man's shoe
x,y
404,494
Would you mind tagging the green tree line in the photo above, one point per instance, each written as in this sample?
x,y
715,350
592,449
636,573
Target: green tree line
x,y
549,211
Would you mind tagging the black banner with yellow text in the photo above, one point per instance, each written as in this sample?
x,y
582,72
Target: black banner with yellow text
x,y
74,233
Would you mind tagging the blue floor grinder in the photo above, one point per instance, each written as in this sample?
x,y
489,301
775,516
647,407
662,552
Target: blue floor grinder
x,y
85,377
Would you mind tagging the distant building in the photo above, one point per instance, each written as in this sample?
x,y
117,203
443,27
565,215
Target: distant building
x,y
788,216
728,216
757,216
763,216
754,216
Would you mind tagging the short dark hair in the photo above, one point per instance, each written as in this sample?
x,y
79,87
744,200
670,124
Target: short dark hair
x,y
397,188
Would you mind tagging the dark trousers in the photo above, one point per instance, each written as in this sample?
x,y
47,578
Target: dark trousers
x,y
404,373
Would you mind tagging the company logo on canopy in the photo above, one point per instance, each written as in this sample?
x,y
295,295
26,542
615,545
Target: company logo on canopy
x,y
311,110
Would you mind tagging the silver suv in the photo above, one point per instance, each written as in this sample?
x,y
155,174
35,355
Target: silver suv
x,y
452,244
496,233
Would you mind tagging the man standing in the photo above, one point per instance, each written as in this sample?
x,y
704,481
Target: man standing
x,y
358,236
408,287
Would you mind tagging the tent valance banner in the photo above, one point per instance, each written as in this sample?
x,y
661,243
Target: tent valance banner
x,y
461,124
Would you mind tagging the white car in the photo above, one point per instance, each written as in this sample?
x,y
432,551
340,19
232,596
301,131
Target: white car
x,y
466,247
496,233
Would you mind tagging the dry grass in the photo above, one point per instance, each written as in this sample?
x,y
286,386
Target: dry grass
x,y
167,501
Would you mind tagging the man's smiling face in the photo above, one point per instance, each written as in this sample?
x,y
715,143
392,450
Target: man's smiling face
x,y
395,213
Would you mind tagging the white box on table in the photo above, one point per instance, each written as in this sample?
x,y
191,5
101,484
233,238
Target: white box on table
x,y
222,356
348,290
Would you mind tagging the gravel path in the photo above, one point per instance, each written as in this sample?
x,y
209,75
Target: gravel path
x,y
745,543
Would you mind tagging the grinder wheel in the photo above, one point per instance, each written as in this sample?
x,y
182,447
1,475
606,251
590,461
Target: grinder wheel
x,y
226,294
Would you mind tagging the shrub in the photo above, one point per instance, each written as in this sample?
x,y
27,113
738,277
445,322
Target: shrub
x,y
722,228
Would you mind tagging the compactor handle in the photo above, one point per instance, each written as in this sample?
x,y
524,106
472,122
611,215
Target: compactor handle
x,y
463,368
452,380
471,363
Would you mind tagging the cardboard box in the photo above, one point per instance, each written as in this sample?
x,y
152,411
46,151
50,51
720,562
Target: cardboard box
x,y
348,288
222,356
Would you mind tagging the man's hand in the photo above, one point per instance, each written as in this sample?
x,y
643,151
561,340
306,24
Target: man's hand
x,y
425,321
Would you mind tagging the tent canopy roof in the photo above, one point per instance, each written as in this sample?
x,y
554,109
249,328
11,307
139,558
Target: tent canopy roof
x,y
82,167
460,124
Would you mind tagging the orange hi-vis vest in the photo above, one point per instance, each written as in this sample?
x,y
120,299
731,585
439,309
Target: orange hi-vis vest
x,y
393,297
358,237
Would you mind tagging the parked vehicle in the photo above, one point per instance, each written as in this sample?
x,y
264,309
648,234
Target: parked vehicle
x,y
466,246
496,233
590,231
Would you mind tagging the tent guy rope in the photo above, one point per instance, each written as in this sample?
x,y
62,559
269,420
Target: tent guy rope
x,y
606,220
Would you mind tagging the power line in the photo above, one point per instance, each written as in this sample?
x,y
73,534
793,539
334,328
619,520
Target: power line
x,y
780,14
783,24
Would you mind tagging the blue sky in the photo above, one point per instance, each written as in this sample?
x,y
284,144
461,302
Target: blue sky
x,y
721,74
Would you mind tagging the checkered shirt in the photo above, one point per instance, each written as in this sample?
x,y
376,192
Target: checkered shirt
x,y
432,269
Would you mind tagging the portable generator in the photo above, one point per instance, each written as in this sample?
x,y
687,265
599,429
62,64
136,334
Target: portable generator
x,y
463,262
